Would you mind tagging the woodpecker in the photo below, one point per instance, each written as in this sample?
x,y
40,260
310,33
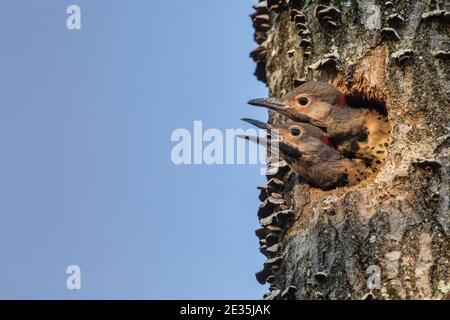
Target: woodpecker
x,y
355,132
309,152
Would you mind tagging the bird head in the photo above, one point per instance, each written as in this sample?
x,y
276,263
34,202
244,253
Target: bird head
x,y
314,102
296,140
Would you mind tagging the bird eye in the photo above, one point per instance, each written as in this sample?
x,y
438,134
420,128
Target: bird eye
x,y
295,132
303,101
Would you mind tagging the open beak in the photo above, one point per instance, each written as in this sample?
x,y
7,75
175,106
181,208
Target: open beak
x,y
258,124
285,148
254,139
270,103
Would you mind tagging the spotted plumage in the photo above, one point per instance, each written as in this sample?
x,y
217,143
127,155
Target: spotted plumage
x,y
358,133
308,152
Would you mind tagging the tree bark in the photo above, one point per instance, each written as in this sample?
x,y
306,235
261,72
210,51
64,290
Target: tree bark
x,y
388,237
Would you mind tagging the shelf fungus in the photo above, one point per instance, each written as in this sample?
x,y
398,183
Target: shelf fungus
x,y
289,292
273,4
262,233
305,43
403,55
389,34
300,18
272,295
269,190
263,250
258,54
261,276
275,230
327,14
395,19
260,71
279,218
262,5
330,60
276,261
271,279
273,250
260,37
301,26
276,168
282,165
262,24
298,82
276,200
265,209
435,14
440,54
264,194
304,33
368,296
277,195
270,220
276,183
320,276
265,275
284,217
261,21
264,27
293,13
272,239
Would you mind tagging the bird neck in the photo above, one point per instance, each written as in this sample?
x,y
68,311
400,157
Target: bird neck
x,y
346,121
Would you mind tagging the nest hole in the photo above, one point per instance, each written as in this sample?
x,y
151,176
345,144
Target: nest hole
x,y
360,101
371,146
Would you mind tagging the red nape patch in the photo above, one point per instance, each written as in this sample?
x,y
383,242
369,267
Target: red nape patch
x,y
341,101
327,141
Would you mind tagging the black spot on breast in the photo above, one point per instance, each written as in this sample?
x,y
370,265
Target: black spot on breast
x,y
354,145
340,182
363,135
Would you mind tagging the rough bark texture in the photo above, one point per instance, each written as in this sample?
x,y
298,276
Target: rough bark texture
x,y
396,224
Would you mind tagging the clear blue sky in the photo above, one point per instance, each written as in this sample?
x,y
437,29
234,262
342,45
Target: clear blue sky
x,y
85,170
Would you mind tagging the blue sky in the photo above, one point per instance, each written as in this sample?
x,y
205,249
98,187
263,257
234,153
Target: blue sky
x,y
86,176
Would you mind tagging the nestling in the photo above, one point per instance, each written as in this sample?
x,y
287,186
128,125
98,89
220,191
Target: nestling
x,y
308,152
356,132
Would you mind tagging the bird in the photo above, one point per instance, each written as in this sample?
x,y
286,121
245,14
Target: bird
x,y
355,132
309,152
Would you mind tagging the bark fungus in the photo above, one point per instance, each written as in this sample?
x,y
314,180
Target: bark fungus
x,y
389,236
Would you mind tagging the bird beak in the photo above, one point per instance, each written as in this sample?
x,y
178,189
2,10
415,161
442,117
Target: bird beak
x,y
285,148
278,106
269,103
254,139
258,124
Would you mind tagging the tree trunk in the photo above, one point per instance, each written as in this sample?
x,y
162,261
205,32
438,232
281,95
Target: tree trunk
x,y
388,237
